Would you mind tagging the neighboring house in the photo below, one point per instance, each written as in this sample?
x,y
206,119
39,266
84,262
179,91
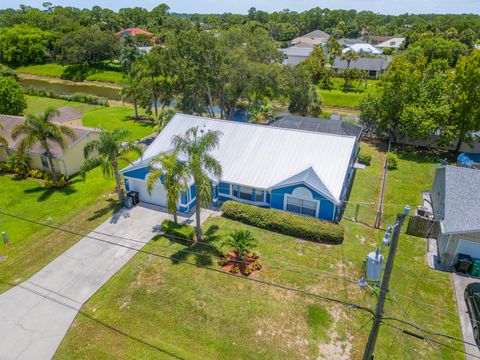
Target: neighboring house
x,y
326,126
347,42
455,199
374,66
294,55
134,32
303,172
376,39
393,43
362,47
316,37
66,162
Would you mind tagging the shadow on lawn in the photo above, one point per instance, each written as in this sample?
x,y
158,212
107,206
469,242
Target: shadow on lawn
x,y
96,321
112,207
45,193
204,253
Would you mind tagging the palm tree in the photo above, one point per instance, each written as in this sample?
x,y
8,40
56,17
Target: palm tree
x,y
106,152
242,242
196,145
131,90
175,178
40,128
349,56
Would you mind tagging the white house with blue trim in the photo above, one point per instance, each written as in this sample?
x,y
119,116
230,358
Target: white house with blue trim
x,y
303,172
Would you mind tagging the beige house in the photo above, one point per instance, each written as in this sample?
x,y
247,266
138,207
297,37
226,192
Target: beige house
x,y
313,38
455,199
67,162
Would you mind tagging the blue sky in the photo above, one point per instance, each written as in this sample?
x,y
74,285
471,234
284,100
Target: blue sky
x,y
241,6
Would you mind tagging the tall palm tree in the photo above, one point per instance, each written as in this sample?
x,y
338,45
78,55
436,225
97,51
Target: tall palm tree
x,y
175,178
106,152
131,90
196,146
41,129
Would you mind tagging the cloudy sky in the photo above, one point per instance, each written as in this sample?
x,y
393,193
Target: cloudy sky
x,y
242,6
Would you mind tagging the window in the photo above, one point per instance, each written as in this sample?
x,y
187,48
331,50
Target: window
x,y
246,193
258,195
299,206
45,162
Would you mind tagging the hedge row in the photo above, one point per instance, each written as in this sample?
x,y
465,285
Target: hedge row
x,y
181,231
286,223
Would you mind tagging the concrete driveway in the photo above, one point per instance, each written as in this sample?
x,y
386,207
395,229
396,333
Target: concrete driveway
x,y
460,282
35,315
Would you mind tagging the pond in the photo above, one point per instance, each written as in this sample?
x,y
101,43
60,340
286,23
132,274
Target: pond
x,y
67,88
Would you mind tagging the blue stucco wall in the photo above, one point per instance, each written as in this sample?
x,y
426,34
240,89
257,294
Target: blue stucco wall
x,y
224,188
138,173
327,208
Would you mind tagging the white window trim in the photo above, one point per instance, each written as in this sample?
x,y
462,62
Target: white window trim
x,y
285,198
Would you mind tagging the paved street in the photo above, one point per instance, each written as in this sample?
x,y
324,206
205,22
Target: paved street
x,y
35,315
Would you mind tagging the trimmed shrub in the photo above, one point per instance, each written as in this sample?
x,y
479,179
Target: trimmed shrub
x,y
365,159
285,223
37,174
181,231
392,161
60,183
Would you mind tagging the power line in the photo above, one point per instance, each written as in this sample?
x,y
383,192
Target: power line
x,y
264,282
420,337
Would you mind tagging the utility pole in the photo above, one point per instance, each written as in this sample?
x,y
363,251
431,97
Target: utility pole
x,y
377,319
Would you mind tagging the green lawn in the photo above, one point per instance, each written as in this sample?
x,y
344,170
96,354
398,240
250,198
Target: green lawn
x,y
52,69
60,71
37,104
80,206
118,117
108,118
339,98
155,308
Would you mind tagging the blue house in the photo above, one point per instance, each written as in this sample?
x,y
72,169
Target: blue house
x,y
302,172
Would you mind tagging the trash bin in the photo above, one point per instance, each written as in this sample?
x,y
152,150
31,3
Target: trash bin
x,y
134,196
475,270
464,263
128,202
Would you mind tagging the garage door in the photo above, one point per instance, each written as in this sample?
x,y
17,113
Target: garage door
x,y
469,248
157,197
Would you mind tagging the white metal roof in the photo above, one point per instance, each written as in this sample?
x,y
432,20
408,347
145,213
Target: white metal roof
x,y
368,48
263,157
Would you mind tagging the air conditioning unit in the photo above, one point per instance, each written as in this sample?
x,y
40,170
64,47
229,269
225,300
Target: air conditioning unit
x,y
422,211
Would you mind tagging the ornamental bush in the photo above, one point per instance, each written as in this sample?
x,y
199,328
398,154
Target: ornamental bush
x,y
285,223
392,161
181,231
365,159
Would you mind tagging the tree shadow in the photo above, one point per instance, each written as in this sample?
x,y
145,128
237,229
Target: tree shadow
x,y
423,155
46,193
112,207
204,253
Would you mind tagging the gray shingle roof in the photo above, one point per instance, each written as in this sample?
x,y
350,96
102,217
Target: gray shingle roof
x,y
363,63
66,114
462,200
298,51
327,126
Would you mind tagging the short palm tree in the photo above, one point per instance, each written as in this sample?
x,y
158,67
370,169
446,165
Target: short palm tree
x,y
175,178
131,90
196,145
40,129
242,242
349,56
106,152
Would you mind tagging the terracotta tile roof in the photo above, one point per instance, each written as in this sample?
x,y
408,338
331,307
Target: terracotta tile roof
x,y
134,32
